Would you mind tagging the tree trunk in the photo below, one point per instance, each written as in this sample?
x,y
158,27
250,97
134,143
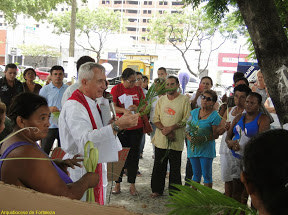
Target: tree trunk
x,y
271,48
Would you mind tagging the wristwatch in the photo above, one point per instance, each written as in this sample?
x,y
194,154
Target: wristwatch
x,y
115,127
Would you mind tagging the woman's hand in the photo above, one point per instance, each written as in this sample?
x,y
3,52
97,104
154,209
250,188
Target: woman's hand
x,y
188,137
234,145
227,126
64,164
132,108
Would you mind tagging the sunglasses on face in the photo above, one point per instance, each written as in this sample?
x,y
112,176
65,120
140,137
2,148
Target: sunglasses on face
x,y
208,99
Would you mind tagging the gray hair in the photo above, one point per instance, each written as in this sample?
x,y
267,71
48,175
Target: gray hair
x,y
86,71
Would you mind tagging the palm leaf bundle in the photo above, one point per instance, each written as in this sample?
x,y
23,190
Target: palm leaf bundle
x,y
198,135
155,90
204,201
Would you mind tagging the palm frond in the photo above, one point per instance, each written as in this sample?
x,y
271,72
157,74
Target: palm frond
x,y
204,200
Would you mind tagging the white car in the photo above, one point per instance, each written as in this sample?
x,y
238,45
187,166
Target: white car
x,y
2,69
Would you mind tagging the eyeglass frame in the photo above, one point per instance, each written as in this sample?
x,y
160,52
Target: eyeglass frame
x,y
207,98
131,82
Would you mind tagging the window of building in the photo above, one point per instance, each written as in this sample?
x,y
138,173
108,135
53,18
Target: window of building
x,y
119,2
163,3
131,11
1,24
1,16
160,11
67,9
132,2
37,25
132,20
133,37
147,11
175,11
62,9
144,20
131,29
143,38
177,3
5,24
143,29
147,2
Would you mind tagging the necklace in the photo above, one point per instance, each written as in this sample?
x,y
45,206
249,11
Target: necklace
x,y
201,117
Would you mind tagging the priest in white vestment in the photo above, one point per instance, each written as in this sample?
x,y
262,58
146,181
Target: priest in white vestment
x,y
76,125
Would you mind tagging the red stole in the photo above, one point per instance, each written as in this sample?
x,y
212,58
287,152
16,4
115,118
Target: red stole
x,y
98,190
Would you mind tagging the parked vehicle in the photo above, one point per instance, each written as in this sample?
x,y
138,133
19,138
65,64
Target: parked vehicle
x,y
42,72
2,68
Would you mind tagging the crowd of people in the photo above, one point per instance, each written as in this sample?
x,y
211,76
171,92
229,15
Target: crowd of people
x,y
244,120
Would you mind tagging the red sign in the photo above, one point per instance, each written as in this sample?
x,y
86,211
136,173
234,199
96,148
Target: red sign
x,y
230,59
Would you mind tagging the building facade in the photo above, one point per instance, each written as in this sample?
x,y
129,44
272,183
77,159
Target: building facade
x,y
139,13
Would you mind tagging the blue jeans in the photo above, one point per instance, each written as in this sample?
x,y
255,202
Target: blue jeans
x,y
202,166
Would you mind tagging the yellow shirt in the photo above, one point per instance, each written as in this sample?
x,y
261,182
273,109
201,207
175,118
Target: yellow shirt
x,y
170,112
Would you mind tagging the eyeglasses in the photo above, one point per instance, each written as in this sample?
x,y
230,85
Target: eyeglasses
x,y
208,99
131,82
139,79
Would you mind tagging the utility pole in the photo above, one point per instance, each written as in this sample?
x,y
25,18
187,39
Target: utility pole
x,y
72,42
118,50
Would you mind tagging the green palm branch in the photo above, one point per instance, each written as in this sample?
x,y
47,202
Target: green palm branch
x,y
153,91
204,200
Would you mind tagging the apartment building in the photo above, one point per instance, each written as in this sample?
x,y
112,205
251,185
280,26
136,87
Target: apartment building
x,y
139,13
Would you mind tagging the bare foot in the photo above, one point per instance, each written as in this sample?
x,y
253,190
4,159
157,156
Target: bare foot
x,y
154,195
133,190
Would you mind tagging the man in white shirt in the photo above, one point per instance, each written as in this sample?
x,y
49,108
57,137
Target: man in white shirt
x,y
76,124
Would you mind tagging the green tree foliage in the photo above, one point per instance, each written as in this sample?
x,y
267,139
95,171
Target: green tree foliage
x,y
38,9
39,52
188,30
95,25
217,10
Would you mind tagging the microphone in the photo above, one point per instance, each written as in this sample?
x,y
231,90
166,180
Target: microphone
x,y
111,104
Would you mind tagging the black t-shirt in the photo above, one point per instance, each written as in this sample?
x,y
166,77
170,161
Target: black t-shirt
x,y
7,92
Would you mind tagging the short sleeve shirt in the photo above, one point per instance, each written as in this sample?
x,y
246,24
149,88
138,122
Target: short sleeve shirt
x,y
206,149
